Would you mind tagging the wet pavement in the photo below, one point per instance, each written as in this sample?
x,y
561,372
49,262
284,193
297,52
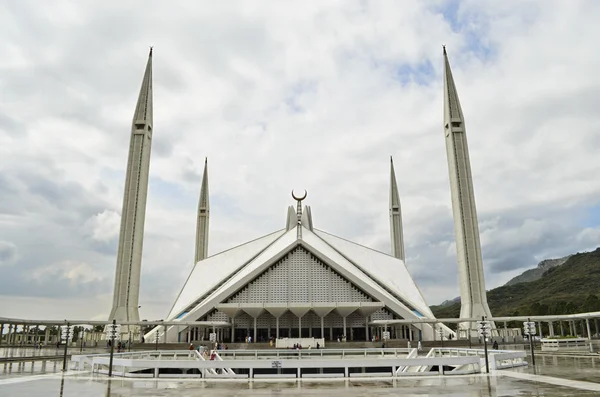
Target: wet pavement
x,y
552,376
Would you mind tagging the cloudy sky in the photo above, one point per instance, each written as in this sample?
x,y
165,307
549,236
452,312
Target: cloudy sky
x,y
283,95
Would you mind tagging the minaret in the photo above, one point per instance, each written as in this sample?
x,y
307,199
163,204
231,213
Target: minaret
x,y
203,218
397,236
468,248
131,236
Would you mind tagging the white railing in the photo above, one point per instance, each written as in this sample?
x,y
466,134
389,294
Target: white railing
x,y
315,353
296,363
498,359
413,354
552,345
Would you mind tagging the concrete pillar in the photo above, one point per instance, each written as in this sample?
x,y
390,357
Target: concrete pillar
x,y
1,333
587,325
300,326
8,338
47,335
344,321
551,328
540,328
596,325
562,329
277,326
367,328
323,327
571,331
254,336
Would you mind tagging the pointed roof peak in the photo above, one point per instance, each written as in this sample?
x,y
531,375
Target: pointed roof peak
x,y
150,55
391,160
451,102
143,109
394,196
203,203
444,49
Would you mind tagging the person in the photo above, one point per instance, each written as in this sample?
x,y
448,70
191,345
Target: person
x,y
318,345
419,347
191,346
213,355
495,345
409,345
249,339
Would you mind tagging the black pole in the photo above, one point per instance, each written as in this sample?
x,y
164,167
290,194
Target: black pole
x,y
531,342
66,345
484,334
112,327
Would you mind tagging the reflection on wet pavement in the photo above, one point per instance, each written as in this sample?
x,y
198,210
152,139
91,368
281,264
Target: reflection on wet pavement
x,y
30,379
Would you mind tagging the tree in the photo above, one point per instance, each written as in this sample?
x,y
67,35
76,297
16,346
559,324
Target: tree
x,y
591,304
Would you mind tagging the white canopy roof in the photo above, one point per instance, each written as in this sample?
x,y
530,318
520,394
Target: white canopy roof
x,y
382,276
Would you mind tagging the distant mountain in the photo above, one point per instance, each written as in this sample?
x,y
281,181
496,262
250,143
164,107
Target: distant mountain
x,y
536,273
571,287
450,301
526,276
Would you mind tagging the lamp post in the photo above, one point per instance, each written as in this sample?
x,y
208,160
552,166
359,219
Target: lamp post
x,y
113,331
484,329
67,330
529,329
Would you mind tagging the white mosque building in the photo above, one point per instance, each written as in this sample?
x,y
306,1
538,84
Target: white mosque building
x,y
298,281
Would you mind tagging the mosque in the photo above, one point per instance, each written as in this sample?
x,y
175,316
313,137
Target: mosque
x,y
298,281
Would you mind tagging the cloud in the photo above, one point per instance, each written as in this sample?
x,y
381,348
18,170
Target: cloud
x,y
103,227
282,96
75,273
8,253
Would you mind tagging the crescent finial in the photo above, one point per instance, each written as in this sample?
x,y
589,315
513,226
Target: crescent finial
x,y
299,198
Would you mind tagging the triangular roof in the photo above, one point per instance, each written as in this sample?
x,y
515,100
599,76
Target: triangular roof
x,y
383,277
386,270
212,271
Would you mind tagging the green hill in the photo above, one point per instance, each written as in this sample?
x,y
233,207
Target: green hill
x,y
572,287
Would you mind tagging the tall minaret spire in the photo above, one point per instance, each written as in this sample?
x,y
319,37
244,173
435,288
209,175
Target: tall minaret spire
x,y
203,218
466,229
397,236
131,236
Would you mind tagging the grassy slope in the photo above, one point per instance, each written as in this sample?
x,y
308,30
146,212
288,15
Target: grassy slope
x,y
569,288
